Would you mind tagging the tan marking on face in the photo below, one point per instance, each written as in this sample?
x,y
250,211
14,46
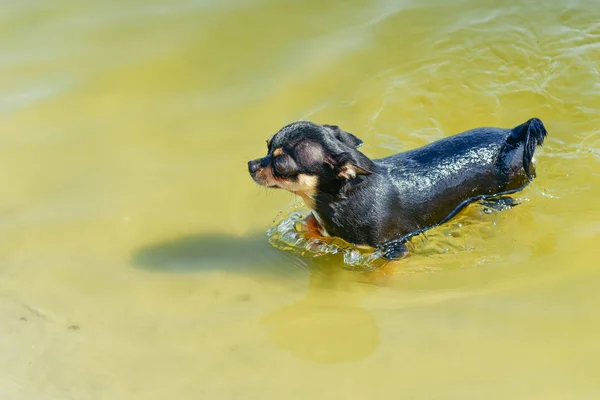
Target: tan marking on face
x,y
304,186
264,176
277,152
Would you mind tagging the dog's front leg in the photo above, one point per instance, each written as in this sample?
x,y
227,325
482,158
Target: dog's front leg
x,y
311,228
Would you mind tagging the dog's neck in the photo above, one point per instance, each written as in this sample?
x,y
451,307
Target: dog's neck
x,y
340,188
323,202
308,199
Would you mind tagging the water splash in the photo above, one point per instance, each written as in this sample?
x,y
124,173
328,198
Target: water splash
x,y
466,232
287,233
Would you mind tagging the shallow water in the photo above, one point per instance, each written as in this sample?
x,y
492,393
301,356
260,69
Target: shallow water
x,y
134,262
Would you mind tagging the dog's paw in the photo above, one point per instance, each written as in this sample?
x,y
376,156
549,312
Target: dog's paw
x,y
394,250
500,203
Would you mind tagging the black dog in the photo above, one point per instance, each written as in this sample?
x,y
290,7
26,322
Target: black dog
x,y
382,203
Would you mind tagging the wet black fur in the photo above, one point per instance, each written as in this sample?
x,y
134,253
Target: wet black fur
x,y
393,198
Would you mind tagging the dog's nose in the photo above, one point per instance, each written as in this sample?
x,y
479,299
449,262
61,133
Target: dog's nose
x,y
253,166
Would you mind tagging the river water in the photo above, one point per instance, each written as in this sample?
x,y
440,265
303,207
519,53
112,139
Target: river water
x,y
133,257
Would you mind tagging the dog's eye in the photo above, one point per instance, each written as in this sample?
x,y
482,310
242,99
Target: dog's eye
x,y
281,166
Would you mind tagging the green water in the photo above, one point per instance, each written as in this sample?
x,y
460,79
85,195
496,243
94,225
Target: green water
x,y
134,262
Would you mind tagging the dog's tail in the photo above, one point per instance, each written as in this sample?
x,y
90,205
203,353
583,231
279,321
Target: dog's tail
x,y
532,134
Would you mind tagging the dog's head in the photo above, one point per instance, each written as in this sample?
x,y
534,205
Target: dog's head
x,y
306,158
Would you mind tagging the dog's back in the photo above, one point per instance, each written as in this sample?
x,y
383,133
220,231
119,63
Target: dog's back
x,y
434,182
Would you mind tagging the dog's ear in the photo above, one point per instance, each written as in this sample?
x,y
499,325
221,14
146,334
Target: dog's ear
x,y
348,165
345,137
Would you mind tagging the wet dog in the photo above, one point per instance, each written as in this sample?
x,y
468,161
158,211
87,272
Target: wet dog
x,y
382,203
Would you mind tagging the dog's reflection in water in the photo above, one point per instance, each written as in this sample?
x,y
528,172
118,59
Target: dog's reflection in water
x,y
329,324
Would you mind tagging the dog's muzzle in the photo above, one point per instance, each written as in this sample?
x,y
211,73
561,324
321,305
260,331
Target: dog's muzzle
x,y
253,166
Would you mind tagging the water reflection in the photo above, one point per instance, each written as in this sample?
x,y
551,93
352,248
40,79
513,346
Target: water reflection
x,y
329,324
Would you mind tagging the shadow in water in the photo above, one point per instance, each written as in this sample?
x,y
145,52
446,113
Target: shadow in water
x,y
329,324
204,252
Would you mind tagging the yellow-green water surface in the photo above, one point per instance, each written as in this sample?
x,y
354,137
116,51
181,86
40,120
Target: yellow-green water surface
x,y
133,257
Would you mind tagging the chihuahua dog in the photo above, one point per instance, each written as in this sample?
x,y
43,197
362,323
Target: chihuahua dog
x,y
382,203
